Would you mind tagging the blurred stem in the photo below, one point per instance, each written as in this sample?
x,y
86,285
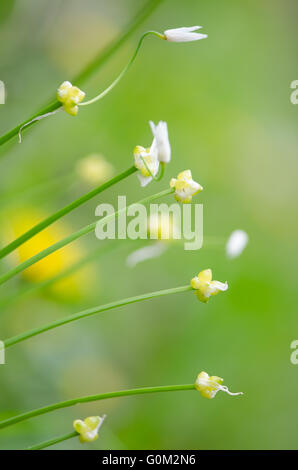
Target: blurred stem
x,y
74,236
62,212
54,441
92,311
126,68
91,398
93,66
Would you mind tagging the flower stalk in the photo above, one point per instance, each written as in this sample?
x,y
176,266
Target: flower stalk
x,y
74,236
93,66
64,211
92,311
93,398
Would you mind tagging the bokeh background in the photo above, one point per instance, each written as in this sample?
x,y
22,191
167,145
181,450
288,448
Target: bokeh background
x,y
227,103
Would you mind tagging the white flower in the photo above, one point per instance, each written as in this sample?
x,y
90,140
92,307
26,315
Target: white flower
x,y
184,34
208,386
147,162
185,187
161,137
143,254
236,243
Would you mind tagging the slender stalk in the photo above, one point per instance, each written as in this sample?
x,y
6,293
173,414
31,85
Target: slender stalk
x,y
74,236
51,442
92,311
65,437
93,66
62,212
32,289
93,398
121,75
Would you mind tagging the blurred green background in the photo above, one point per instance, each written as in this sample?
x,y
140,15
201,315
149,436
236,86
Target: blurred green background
x,y
227,103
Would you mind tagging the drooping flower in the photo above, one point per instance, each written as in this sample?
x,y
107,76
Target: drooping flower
x,y
70,96
184,34
236,243
88,429
147,162
208,386
94,169
161,136
185,187
205,287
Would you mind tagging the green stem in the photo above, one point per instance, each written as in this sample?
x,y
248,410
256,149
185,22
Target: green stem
x,y
25,291
74,236
126,68
62,212
92,311
90,68
57,440
51,442
93,398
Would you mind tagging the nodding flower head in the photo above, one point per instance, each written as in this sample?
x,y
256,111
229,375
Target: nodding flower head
x,y
70,96
147,162
88,429
185,34
205,287
208,386
185,187
161,140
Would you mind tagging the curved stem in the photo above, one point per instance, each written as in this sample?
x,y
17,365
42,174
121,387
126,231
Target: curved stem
x,y
65,437
51,442
97,62
74,236
92,311
91,398
62,212
126,68
47,283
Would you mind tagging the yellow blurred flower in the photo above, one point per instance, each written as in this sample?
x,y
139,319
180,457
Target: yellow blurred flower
x,y
94,169
205,287
161,226
53,264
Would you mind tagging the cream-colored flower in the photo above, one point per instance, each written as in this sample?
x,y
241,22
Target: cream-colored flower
x,y
147,162
236,243
70,96
205,287
208,386
88,429
161,136
185,187
184,34
94,169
